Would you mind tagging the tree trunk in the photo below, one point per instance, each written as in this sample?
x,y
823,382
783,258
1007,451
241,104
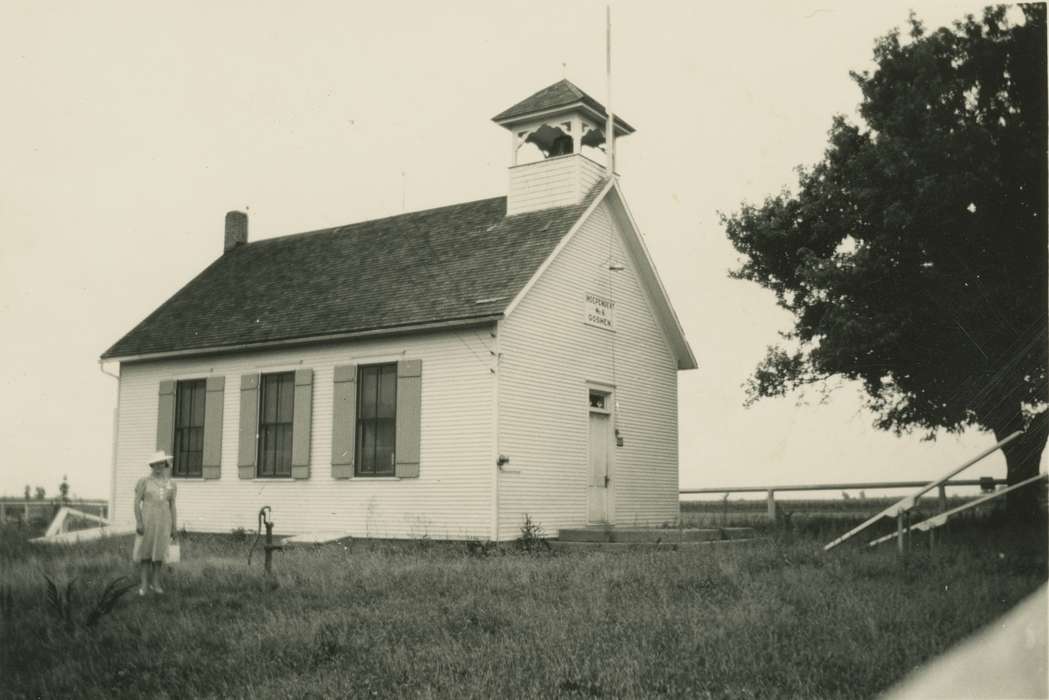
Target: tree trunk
x,y
1022,458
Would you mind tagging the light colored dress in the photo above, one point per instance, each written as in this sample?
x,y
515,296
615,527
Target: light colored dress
x,y
156,496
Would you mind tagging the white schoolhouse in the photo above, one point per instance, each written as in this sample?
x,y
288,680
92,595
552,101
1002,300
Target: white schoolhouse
x,y
440,373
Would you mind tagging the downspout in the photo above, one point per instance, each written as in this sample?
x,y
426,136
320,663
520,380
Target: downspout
x,y
495,432
111,510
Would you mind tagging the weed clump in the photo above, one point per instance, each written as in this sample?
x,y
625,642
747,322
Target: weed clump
x,y
532,538
480,548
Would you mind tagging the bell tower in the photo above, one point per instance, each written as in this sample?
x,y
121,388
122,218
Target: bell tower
x,y
557,147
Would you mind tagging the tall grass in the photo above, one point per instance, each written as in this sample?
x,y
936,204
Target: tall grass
x,y
774,619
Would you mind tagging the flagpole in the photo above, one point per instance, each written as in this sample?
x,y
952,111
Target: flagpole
x,y
610,133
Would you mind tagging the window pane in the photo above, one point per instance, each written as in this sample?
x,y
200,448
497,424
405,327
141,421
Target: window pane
x,y
197,412
286,398
384,446
265,452
388,392
366,430
183,405
385,434
282,466
195,439
269,400
368,389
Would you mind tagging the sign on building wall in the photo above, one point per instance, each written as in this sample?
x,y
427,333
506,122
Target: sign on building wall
x,y
599,312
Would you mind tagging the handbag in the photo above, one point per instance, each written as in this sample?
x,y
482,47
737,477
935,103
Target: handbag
x,y
174,555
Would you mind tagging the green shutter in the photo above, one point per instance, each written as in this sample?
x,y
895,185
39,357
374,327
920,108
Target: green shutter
x,y
344,422
409,414
302,420
212,458
166,416
249,425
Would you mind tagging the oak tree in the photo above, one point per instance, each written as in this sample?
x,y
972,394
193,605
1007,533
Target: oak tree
x,y
913,256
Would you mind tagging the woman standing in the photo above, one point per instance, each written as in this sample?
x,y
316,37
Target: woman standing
x,y
155,520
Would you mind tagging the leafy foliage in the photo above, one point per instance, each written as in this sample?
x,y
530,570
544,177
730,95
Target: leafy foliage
x,y
62,605
913,256
7,606
107,599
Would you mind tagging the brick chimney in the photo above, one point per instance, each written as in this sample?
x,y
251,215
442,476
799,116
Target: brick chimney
x,y
236,230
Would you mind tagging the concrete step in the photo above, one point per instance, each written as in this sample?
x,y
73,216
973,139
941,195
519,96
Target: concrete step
x,y
561,546
651,535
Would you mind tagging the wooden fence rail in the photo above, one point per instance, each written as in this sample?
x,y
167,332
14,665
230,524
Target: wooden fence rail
x,y
986,483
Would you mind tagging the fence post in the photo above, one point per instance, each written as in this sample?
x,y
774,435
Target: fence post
x,y
901,542
3,515
771,499
943,498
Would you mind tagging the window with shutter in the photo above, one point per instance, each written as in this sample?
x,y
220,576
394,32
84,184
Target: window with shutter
x,y
344,421
302,424
276,415
409,418
376,428
211,467
189,428
248,436
166,415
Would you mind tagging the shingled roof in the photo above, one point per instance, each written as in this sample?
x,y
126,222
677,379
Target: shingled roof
x,y
561,94
455,263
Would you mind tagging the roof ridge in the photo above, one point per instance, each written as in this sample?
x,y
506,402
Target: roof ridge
x,y
436,264
575,88
334,229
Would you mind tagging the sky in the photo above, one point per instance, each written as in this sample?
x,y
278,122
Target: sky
x,y
129,129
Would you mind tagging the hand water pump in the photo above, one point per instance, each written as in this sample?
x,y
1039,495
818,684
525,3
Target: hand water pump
x,y
265,513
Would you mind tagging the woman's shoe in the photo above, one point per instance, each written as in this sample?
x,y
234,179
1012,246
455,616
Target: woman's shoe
x,y
157,589
142,590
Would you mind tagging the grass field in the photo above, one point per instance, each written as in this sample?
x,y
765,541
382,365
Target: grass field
x,y
773,619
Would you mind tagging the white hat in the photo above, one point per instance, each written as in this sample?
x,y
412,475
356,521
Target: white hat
x,y
160,456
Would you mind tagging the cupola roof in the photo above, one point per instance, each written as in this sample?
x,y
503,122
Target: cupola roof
x,y
562,96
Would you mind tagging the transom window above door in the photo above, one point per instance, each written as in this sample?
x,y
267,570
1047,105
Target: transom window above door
x,y
599,399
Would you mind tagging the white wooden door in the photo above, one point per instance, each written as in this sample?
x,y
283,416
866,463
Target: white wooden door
x,y
599,481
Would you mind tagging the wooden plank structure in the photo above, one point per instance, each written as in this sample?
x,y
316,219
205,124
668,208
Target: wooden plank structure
x,y
25,511
902,508
56,532
941,519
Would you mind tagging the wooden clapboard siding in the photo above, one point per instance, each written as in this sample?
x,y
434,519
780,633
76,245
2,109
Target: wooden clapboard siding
x,y
451,498
547,356
589,173
549,183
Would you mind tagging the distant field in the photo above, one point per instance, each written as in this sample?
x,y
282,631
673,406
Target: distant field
x,y
774,619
